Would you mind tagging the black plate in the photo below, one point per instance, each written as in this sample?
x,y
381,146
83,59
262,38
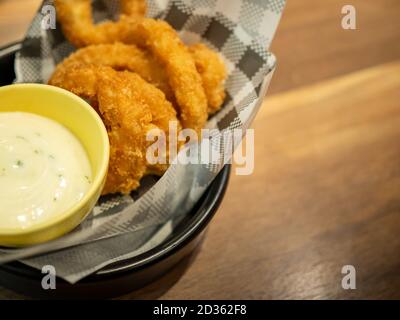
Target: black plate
x,y
161,266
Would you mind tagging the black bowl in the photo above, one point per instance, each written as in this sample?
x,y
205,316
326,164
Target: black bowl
x,y
164,264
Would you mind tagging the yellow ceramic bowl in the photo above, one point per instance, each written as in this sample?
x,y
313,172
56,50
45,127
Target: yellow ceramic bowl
x,y
80,118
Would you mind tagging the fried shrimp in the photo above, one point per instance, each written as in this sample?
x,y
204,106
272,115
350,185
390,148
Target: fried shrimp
x,y
128,114
133,7
140,77
121,56
155,35
77,21
163,41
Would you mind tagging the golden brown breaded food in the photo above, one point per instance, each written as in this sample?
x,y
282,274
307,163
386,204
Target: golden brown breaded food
x,y
76,19
121,56
129,107
213,74
169,74
164,43
155,35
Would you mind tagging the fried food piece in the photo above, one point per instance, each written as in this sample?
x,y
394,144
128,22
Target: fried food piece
x,y
121,56
155,35
129,107
133,7
163,41
76,19
213,74
196,95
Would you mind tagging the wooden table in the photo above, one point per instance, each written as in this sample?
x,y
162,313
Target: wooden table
x,y
326,188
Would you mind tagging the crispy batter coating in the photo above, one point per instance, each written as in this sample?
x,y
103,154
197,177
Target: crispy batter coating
x,y
213,74
129,107
131,104
121,56
164,43
76,19
133,7
155,35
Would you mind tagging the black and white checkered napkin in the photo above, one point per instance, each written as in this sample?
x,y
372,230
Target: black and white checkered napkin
x,y
241,31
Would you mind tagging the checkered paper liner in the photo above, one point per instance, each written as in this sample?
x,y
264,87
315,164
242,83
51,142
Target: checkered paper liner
x,y
122,227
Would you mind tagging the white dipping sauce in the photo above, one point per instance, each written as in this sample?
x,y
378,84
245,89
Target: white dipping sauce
x,y
44,170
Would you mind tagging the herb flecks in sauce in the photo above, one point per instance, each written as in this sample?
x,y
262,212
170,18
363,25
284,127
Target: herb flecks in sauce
x,y
18,164
41,168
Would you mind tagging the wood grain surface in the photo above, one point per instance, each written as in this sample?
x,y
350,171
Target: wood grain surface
x,y
326,188
311,45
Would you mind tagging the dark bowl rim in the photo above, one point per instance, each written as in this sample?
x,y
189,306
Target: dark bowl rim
x,y
195,226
